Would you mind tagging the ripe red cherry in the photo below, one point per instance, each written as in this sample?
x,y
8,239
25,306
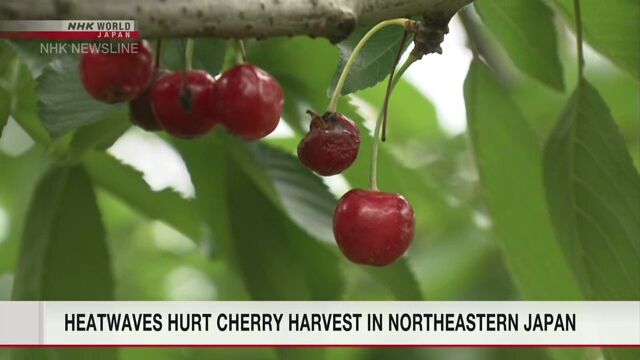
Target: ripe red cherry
x,y
331,145
184,109
140,109
373,227
249,101
117,77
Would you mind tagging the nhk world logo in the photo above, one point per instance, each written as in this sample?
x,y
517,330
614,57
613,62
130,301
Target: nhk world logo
x,y
69,29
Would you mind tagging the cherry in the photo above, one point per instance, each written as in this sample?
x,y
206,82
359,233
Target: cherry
x,y
373,227
331,145
184,109
140,109
117,77
249,101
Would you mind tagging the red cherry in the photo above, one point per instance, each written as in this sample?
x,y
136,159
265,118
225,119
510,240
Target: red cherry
x,y
140,109
117,77
249,101
331,145
184,109
372,227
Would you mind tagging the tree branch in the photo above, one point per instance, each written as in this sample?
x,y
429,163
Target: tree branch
x,y
332,19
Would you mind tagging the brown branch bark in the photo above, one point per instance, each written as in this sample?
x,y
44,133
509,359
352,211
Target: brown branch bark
x,y
332,19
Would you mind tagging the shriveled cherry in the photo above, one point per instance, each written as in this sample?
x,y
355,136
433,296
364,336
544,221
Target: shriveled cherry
x,y
373,227
117,77
249,101
331,145
140,108
184,108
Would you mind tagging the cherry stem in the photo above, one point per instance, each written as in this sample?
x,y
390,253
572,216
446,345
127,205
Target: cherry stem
x,y
241,50
188,59
373,183
188,54
158,53
316,119
333,104
185,91
576,5
385,106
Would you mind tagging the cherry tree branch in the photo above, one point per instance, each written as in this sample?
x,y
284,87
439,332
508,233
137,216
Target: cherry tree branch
x,y
332,19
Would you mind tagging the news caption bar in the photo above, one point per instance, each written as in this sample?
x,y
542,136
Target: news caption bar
x,y
228,323
68,29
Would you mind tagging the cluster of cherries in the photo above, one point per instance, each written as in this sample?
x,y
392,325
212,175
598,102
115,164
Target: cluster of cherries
x,y
371,227
247,100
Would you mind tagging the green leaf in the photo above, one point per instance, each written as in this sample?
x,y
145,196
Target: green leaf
x,y
593,194
527,31
9,74
509,160
262,250
64,255
34,52
611,28
99,135
263,243
63,102
304,197
127,184
374,61
25,110
19,177
5,109
510,163
307,202
208,54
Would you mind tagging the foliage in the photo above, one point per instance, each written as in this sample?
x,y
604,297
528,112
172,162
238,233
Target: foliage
x,y
538,200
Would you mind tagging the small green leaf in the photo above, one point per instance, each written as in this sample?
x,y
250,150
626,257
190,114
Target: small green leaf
x,y
612,28
63,102
374,61
127,184
593,194
526,30
99,135
510,163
